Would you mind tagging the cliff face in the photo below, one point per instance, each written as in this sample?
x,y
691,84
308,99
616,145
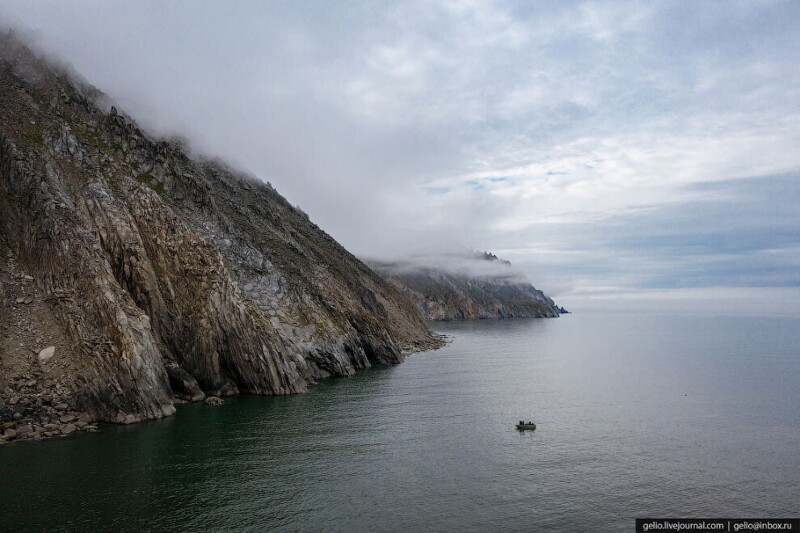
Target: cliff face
x,y
462,287
157,277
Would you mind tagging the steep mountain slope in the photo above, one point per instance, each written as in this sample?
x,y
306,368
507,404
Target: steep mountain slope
x,y
457,287
162,278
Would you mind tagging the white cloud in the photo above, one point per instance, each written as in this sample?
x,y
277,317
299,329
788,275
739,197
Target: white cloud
x,y
387,122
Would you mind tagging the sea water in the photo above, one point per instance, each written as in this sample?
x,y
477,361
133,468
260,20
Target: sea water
x,y
638,415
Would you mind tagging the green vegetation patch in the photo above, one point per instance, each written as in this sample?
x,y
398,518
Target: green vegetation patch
x,y
87,135
32,133
145,178
535,307
95,141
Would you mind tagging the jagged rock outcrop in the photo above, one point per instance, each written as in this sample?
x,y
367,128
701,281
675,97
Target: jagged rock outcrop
x,y
159,277
463,286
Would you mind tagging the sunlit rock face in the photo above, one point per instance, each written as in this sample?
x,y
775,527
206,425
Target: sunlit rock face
x,y
160,277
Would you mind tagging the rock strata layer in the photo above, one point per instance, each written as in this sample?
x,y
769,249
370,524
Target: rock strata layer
x,y
134,277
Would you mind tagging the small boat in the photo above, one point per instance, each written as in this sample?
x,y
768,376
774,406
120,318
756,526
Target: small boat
x,y
522,426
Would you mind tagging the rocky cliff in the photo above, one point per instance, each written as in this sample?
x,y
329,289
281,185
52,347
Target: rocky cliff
x,y
462,286
133,276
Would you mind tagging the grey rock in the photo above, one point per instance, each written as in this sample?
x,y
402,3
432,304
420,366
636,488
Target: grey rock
x,y
184,386
65,419
46,354
165,261
69,428
214,400
9,434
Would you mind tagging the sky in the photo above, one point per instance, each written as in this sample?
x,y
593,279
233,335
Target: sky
x,y
608,149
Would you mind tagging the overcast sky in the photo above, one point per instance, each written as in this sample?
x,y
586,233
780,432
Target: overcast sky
x,y
604,148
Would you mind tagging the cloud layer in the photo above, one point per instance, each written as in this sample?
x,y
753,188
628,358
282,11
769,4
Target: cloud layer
x,y
601,146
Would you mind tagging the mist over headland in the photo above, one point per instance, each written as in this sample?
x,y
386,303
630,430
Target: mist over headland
x,y
622,147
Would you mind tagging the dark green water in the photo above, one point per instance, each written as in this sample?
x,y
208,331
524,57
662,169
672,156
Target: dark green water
x,y
638,415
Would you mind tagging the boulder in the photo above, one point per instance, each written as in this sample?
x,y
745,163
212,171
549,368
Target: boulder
x,y
46,354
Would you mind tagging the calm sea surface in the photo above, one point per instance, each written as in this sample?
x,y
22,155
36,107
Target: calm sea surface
x,y
638,415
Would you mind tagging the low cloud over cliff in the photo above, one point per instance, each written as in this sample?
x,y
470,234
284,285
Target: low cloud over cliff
x,y
555,135
479,265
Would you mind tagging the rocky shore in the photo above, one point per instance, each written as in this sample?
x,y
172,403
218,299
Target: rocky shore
x,y
38,401
134,276
42,419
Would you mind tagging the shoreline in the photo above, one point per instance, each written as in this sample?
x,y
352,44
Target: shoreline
x,y
47,419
